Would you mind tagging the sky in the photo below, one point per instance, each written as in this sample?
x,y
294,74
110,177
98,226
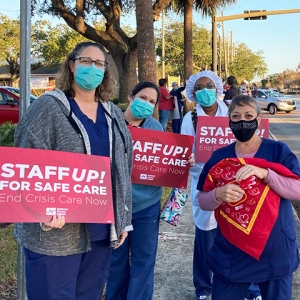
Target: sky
x,y
277,36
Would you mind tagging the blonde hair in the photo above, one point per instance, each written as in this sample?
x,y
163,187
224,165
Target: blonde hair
x,y
65,78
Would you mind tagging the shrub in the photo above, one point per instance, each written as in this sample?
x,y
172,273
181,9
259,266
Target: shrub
x,y
123,106
7,131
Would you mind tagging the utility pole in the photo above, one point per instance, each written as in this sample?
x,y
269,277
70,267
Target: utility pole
x,y
214,42
228,47
25,25
224,48
219,55
247,16
231,43
163,42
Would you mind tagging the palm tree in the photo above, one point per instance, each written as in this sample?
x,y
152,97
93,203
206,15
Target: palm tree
x,y
208,8
145,42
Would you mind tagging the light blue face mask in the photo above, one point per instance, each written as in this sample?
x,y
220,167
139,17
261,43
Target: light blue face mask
x,y
88,77
206,97
141,109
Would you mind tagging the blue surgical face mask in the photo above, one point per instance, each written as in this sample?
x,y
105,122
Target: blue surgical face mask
x,y
175,88
88,77
206,97
141,109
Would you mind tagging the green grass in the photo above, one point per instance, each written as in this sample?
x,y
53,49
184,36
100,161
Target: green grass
x,y
8,245
9,251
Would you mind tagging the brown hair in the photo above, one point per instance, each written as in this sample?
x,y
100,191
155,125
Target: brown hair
x,y
65,78
143,85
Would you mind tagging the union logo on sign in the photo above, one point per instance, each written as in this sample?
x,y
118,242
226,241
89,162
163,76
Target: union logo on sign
x,y
50,211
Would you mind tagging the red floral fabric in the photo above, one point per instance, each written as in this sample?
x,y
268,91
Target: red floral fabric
x,y
247,223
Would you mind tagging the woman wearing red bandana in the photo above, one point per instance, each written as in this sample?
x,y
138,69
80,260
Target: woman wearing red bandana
x,y
250,185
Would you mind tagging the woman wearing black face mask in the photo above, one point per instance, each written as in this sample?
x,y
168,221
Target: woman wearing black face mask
x,y
250,185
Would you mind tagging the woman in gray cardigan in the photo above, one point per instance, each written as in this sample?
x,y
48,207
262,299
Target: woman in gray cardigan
x,y
68,261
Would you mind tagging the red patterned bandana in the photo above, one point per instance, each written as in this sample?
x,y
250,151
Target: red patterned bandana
x,y
247,223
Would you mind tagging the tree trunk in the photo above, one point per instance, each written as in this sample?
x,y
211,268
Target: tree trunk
x,y
145,41
122,48
126,66
188,46
146,44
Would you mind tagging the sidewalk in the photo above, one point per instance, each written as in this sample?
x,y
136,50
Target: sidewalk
x,y
173,270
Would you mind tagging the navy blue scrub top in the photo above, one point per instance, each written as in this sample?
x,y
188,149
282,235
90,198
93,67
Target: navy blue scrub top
x,y
99,140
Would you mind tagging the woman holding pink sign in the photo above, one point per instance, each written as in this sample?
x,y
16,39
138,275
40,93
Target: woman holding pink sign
x,y
204,88
70,261
131,274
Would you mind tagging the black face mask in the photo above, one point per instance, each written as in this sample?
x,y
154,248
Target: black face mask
x,y
243,130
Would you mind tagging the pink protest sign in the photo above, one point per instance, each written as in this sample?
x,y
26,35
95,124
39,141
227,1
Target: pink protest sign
x,y
214,132
160,158
37,184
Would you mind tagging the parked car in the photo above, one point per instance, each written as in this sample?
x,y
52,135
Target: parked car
x,y
272,101
9,104
270,89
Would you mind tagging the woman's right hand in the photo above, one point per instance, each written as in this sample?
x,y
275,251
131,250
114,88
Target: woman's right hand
x,y
56,222
229,193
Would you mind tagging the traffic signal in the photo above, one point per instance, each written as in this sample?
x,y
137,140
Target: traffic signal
x,y
262,17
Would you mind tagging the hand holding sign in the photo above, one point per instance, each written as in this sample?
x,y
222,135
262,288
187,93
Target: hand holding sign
x,y
161,158
38,185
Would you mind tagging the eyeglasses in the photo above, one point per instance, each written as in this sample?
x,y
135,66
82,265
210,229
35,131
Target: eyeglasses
x,y
209,86
86,61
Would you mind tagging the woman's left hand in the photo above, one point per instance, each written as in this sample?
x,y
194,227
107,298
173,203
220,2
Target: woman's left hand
x,y
122,238
191,160
249,170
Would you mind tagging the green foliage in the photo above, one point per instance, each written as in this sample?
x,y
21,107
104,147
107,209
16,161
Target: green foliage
x,y
9,44
8,245
7,131
53,44
247,64
174,48
123,106
287,81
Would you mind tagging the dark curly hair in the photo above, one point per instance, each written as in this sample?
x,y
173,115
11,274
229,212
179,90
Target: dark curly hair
x,y
65,78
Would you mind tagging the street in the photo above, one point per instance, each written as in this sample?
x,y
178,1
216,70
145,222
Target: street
x,y
286,127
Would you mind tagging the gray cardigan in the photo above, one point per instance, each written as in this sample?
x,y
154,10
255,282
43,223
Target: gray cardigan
x,y
45,125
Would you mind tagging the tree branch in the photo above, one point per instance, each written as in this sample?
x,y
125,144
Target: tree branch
x,y
80,15
104,37
158,6
103,8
